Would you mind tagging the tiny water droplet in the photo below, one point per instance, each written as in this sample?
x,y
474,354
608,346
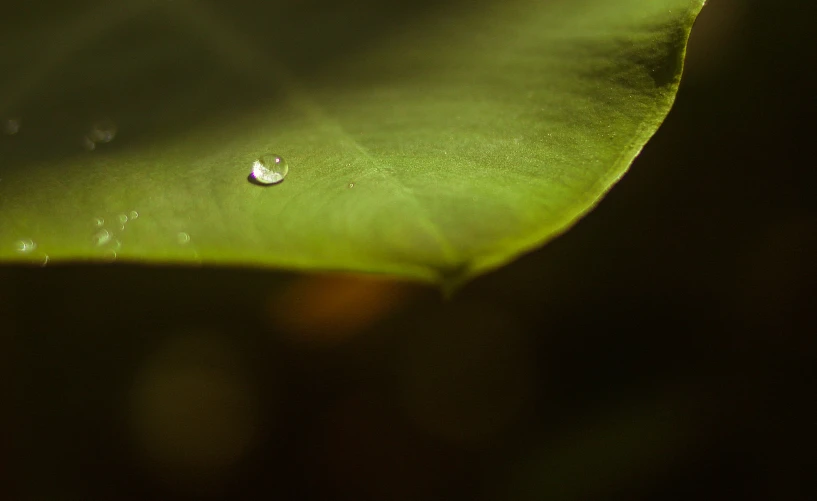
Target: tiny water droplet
x,y
351,185
87,144
133,214
10,126
269,169
183,238
123,218
102,237
99,221
25,246
102,131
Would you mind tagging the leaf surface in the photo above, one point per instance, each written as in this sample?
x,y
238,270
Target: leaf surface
x,y
441,145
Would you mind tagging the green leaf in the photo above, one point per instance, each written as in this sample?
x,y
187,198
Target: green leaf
x,y
429,142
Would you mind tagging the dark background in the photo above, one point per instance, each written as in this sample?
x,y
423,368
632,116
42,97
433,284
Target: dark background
x,y
661,349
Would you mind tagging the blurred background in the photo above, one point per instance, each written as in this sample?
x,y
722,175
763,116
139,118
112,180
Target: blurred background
x,y
662,349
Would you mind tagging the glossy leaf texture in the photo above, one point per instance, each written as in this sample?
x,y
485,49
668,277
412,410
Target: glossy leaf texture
x,y
431,141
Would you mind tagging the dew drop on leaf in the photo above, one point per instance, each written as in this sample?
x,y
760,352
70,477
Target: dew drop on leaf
x,y
102,131
25,246
87,144
10,126
101,237
269,169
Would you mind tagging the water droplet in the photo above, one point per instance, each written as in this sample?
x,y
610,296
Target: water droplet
x,y
102,131
87,144
133,214
102,237
25,246
183,238
123,218
10,126
351,185
99,221
269,169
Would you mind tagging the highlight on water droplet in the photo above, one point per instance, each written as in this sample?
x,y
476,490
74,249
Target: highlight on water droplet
x,y
122,218
183,238
133,214
269,169
102,131
25,245
10,126
99,221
